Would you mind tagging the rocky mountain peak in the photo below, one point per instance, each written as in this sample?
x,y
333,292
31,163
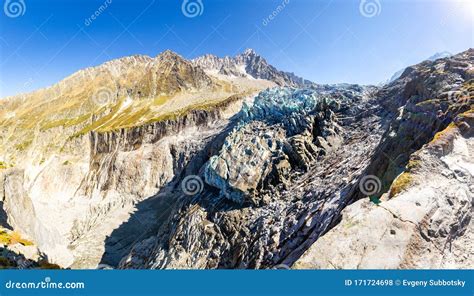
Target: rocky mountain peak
x,y
250,51
251,59
248,64
169,54
169,57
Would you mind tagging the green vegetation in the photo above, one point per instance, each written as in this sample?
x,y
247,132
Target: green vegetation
x,y
413,164
126,119
4,238
443,135
160,100
12,238
401,183
67,122
118,119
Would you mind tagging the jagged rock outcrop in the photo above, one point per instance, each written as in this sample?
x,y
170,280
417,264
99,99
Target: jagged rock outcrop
x,y
249,64
265,228
426,223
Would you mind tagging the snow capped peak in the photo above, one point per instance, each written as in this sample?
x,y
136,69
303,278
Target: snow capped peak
x,y
440,55
249,51
247,64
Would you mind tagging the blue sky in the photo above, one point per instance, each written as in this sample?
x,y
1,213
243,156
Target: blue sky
x,y
321,40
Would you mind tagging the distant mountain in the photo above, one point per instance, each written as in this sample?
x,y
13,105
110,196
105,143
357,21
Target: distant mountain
x,y
440,55
250,65
436,56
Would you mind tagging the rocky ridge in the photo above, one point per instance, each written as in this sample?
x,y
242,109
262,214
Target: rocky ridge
x,y
185,166
248,64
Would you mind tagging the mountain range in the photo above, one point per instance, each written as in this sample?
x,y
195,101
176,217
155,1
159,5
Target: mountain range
x,y
230,163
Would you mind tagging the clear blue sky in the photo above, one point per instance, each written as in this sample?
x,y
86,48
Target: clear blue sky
x,y
324,41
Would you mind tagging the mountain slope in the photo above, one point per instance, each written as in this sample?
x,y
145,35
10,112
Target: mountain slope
x,y
69,152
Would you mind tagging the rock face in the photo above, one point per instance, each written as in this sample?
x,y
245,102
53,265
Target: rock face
x,y
427,225
206,164
245,225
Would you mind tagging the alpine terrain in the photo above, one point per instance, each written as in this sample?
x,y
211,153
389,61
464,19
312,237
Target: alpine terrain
x,y
168,163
